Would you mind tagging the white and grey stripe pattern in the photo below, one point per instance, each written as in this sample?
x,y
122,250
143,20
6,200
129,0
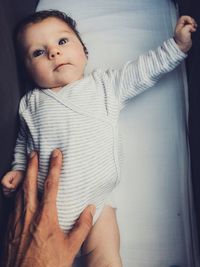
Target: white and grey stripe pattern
x,y
81,119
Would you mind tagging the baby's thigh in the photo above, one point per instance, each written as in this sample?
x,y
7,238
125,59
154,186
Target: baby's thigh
x,y
102,245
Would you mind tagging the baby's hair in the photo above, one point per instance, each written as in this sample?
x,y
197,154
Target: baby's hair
x,y
40,16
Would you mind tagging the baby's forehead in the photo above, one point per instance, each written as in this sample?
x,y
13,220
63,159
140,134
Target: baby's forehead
x,y
53,23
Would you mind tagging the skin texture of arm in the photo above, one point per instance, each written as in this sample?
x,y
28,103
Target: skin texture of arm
x,y
34,236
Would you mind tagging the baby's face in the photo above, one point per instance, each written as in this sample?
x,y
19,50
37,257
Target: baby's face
x,y
54,56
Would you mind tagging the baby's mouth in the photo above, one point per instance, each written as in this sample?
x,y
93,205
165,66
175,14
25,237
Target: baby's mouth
x,y
61,65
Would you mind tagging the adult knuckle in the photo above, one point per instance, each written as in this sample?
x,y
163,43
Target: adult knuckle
x,y
49,183
44,216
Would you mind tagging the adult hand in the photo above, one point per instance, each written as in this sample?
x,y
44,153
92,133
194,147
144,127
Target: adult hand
x,y
35,238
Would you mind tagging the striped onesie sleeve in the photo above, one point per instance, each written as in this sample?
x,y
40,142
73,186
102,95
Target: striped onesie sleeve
x,y
136,76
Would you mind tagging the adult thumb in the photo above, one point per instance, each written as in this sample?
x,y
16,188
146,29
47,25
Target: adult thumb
x,y
81,229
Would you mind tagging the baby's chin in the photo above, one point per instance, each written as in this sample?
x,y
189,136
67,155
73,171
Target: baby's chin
x,y
61,82
55,86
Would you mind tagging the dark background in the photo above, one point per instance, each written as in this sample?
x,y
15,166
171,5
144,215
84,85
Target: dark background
x,y
12,88
191,7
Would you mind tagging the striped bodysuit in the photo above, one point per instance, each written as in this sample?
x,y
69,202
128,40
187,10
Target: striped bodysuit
x,y
82,120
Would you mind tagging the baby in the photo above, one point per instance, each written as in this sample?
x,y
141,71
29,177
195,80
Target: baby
x,y
79,114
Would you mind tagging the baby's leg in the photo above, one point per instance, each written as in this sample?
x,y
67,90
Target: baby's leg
x,y
101,249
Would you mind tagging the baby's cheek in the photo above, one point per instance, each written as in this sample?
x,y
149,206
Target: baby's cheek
x,y
40,75
80,54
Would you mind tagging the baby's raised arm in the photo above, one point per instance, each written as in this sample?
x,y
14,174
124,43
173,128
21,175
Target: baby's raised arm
x,y
138,75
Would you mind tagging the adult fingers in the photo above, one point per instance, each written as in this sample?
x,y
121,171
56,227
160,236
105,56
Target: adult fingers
x,y
81,229
52,181
26,200
30,203
30,183
15,229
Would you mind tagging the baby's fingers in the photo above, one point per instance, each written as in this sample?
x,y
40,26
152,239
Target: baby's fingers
x,y
186,20
17,181
189,28
6,182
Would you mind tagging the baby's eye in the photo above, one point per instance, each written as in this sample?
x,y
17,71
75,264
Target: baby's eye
x,y
63,41
38,53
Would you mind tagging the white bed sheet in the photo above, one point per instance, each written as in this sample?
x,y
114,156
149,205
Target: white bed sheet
x,y
154,197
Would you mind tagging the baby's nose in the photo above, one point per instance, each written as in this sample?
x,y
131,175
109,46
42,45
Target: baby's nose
x,y
53,53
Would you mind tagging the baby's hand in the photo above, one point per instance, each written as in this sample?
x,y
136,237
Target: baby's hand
x,y
182,35
11,181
